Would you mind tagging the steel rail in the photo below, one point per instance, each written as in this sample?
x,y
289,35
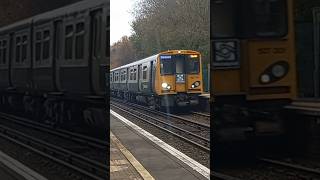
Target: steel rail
x,y
289,165
68,158
93,142
201,114
163,114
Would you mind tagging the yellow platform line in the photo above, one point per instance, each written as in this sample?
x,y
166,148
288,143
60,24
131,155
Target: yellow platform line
x,y
135,163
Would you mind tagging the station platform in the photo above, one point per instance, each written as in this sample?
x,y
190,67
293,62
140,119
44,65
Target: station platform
x,y
123,164
205,95
11,169
153,158
305,106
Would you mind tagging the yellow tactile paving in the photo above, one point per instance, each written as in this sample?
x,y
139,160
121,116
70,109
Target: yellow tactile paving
x,y
123,164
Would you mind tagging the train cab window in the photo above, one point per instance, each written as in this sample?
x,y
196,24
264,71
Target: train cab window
x,y
180,64
192,64
24,48
38,45
79,40
166,66
68,42
46,45
144,72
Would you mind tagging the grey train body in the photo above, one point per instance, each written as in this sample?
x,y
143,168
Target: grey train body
x,y
58,58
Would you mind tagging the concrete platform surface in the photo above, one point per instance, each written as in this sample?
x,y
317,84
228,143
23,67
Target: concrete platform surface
x,y
123,165
156,160
11,169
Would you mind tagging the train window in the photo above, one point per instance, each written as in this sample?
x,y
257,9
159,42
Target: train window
x,y
18,49
166,66
38,45
108,36
24,48
46,45
117,76
79,40
192,64
4,52
69,42
96,35
131,74
111,77
1,58
180,62
135,74
144,72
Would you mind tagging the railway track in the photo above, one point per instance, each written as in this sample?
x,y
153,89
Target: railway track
x,y
265,169
65,152
166,115
192,136
221,176
297,167
206,115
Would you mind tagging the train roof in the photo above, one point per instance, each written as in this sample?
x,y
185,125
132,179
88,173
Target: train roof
x,y
69,9
137,62
155,57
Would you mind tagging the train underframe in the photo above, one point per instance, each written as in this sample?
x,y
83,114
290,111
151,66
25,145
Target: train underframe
x,y
58,110
236,119
159,102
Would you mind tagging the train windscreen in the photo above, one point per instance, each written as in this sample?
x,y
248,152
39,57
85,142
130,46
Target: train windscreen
x,y
248,18
179,64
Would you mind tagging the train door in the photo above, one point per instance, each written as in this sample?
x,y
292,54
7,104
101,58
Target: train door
x,y
152,76
95,49
139,77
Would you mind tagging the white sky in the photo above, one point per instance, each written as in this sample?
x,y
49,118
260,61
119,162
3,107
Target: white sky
x,y
120,19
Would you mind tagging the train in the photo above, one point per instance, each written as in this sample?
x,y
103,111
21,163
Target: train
x,y
253,67
171,78
53,66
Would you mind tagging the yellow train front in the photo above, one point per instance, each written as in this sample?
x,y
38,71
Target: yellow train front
x,y
168,79
253,66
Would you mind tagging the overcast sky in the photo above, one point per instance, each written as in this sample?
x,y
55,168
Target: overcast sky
x,y
120,18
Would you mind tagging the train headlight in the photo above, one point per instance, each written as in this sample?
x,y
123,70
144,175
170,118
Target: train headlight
x,y
265,78
278,70
195,84
274,72
166,86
